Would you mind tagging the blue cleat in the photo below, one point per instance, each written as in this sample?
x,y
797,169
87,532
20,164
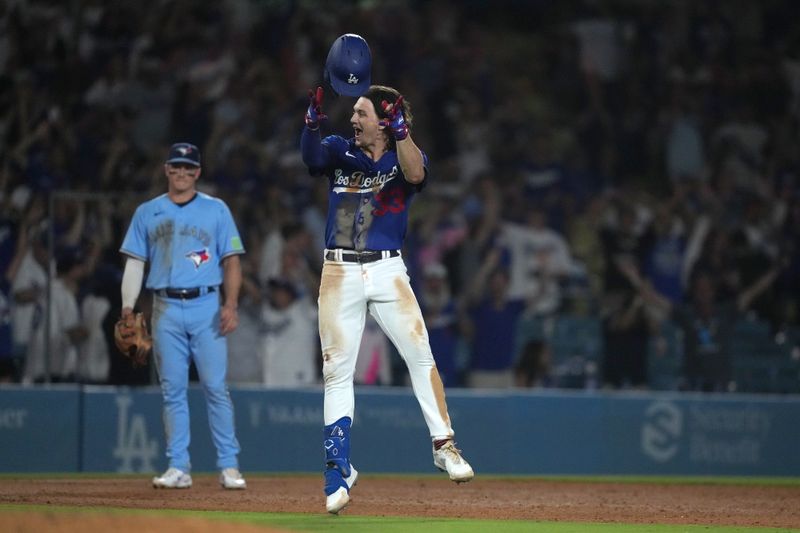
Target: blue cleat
x,y
337,488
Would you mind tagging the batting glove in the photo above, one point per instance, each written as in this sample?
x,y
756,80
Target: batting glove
x,y
395,120
314,115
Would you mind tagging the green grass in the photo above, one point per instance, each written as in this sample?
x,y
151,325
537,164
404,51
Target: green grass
x,y
364,524
390,524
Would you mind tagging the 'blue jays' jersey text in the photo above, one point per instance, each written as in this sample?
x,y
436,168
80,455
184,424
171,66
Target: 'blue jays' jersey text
x,y
185,244
368,200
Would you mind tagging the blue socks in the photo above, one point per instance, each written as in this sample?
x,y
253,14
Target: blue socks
x,y
337,454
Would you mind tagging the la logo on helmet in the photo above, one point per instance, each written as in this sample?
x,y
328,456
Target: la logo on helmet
x,y
348,65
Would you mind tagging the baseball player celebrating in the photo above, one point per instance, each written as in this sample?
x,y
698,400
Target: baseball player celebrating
x,y
193,246
373,177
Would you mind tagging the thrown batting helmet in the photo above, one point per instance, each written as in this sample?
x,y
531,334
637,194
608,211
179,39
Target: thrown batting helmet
x,y
349,65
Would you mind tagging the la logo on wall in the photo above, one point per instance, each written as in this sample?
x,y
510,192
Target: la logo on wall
x,y
133,444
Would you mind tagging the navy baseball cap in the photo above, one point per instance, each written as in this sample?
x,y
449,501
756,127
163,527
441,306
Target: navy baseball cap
x,y
184,153
349,65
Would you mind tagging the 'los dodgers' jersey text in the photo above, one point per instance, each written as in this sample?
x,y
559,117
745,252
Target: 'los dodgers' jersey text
x,y
368,200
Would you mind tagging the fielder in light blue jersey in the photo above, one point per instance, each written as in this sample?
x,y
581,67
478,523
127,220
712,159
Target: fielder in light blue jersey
x,y
193,247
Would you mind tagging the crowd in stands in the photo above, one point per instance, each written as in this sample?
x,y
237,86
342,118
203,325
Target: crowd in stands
x,y
613,196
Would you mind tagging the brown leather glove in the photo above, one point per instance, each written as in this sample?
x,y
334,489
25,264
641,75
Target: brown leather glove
x,y
132,338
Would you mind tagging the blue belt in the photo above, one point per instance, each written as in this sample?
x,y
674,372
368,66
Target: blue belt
x,y
184,294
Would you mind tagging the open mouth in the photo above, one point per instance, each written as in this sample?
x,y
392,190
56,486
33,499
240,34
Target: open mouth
x,y
357,132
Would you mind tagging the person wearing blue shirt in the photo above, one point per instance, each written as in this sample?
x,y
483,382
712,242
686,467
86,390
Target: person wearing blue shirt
x,y
372,178
192,245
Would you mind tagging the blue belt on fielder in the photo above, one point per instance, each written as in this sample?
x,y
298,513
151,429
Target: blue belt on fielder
x,y
184,294
353,256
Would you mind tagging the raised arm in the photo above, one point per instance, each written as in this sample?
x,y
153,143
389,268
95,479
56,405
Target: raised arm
x,y
408,154
748,295
311,140
477,286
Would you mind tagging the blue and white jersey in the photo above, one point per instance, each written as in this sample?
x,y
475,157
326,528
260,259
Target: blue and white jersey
x,y
368,200
185,244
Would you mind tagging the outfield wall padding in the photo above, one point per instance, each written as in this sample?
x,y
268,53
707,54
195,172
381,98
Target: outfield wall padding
x,y
107,429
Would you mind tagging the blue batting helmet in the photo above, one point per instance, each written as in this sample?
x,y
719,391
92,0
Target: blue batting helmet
x,y
349,65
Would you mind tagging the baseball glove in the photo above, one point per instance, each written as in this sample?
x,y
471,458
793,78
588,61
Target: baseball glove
x,y
132,338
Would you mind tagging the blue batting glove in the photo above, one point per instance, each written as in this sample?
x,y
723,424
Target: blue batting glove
x,y
395,120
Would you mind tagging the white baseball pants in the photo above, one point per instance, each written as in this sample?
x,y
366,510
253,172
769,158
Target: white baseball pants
x,y
347,290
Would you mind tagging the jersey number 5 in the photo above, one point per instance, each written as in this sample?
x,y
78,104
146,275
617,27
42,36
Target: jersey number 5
x,y
391,201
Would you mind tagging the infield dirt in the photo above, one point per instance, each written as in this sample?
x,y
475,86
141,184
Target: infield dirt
x,y
573,501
